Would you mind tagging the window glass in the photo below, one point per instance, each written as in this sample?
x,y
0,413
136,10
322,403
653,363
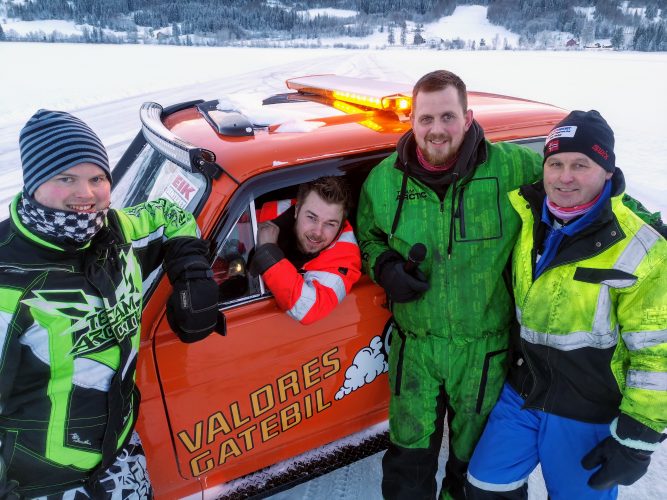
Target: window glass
x,y
534,143
230,267
270,194
152,176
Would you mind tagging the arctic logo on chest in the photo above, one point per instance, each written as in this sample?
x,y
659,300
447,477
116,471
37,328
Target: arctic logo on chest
x,y
95,323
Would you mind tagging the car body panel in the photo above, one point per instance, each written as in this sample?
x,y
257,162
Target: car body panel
x,y
271,388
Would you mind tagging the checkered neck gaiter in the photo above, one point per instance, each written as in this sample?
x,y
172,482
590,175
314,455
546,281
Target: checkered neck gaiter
x,y
73,227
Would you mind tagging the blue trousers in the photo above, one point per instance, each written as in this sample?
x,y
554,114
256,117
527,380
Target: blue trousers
x,y
515,441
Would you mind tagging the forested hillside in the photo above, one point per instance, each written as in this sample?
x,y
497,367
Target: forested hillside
x,y
638,25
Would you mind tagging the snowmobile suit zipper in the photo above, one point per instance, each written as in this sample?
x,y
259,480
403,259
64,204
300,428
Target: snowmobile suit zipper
x,y
452,216
460,214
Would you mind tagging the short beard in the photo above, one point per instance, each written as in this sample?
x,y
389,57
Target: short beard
x,y
439,160
303,250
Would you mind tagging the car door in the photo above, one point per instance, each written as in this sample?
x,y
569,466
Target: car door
x,y
270,388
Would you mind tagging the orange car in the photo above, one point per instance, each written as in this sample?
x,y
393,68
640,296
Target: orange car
x,y
269,402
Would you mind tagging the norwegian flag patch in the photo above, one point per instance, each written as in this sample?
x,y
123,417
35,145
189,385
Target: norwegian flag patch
x,y
552,146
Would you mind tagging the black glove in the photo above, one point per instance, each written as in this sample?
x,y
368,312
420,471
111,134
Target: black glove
x,y
192,309
265,256
399,285
621,464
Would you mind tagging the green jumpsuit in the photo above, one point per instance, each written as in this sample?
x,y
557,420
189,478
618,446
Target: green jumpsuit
x,y
450,355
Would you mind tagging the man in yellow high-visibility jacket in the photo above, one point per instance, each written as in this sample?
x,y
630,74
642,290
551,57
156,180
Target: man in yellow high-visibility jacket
x,y
587,391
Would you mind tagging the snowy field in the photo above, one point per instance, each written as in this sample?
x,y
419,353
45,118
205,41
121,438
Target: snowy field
x,y
105,85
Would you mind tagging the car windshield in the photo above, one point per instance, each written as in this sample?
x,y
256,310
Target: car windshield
x,y
152,176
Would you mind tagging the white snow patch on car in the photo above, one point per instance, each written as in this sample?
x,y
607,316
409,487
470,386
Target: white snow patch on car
x,y
299,126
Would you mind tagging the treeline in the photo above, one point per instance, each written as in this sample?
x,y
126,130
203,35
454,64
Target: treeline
x,y
531,18
209,15
239,19
220,22
651,38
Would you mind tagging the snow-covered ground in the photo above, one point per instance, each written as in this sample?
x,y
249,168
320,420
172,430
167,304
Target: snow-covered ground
x,y
25,27
328,12
105,85
626,87
467,22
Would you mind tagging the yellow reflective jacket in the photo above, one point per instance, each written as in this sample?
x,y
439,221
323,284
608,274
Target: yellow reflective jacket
x,y
593,325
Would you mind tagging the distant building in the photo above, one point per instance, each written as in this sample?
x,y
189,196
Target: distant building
x,y
599,46
435,43
572,43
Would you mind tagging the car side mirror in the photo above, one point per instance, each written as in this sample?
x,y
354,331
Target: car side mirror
x,y
237,267
235,283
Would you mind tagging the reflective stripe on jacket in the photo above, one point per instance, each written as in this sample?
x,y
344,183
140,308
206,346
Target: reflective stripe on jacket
x,y
70,323
593,326
327,279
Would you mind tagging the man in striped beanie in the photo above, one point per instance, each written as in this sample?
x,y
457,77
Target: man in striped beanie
x,y
71,298
52,143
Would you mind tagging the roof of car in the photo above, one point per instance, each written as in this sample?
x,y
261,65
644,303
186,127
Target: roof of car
x,y
328,128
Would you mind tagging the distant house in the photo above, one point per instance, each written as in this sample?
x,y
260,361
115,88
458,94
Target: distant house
x,y
419,39
571,43
599,46
434,42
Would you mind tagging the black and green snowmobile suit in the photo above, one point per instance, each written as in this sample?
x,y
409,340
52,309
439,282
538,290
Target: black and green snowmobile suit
x,y
69,334
450,354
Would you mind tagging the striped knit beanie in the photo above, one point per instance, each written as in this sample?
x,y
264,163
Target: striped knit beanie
x,y
54,141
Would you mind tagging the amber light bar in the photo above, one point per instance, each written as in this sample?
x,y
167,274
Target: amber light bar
x,y
387,96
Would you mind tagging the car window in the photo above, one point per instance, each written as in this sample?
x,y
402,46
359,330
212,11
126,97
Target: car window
x,y
274,193
230,267
152,176
232,260
534,143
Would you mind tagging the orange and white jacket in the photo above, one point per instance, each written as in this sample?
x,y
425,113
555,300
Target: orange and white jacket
x,y
312,292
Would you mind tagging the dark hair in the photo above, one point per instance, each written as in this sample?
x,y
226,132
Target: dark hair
x,y
332,189
440,80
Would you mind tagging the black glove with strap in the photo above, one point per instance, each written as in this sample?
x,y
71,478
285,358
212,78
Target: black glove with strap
x,y
623,457
400,285
192,309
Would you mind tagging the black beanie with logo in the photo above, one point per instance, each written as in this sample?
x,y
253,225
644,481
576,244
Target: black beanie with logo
x,y
583,132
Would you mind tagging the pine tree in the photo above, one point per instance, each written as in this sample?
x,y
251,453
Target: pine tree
x,y
656,41
2,35
390,37
640,40
617,39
